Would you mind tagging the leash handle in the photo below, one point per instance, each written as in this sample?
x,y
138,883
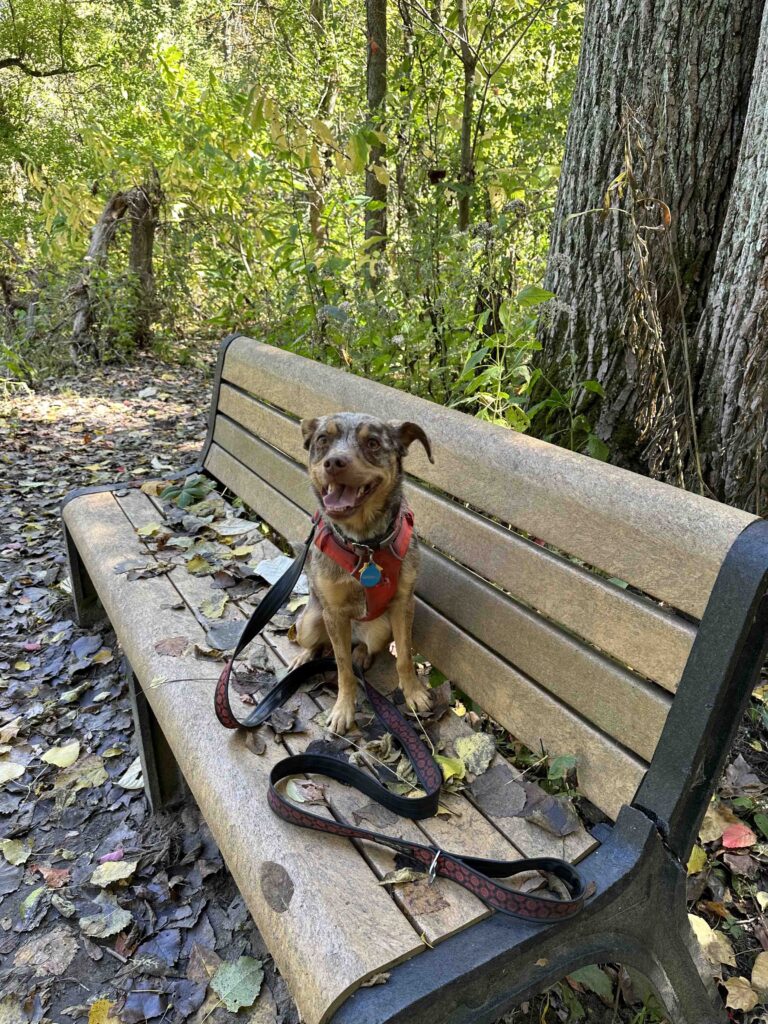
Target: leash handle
x,y
473,873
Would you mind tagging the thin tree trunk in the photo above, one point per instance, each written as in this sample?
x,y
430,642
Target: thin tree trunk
x,y
652,145
82,342
467,169
375,187
732,339
316,191
144,205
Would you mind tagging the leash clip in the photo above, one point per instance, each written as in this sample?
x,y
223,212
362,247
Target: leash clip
x,y
432,874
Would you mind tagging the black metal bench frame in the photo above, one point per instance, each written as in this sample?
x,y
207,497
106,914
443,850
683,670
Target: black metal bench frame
x,y
637,916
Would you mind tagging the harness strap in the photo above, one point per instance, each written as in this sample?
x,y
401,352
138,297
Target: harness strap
x,y
474,873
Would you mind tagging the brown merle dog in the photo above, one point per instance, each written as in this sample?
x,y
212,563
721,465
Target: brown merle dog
x,y
355,467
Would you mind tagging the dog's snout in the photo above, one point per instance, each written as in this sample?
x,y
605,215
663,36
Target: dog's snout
x,y
335,463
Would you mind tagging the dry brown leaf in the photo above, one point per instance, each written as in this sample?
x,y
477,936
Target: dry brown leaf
x,y
741,995
714,945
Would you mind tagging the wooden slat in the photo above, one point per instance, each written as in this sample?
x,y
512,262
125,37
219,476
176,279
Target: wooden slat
x,y
340,926
619,703
608,774
653,641
666,542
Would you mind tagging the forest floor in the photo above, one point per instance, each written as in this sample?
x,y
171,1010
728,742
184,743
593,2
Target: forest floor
x,y
71,801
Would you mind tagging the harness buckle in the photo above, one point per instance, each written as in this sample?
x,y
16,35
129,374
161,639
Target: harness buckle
x,y
432,873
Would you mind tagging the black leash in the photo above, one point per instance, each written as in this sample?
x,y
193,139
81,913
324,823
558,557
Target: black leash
x,y
474,873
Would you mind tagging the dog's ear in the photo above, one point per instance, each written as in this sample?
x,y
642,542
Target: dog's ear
x,y
308,428
406,433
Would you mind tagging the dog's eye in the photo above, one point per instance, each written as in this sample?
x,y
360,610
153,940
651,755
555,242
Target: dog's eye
x,y
321,439
372,444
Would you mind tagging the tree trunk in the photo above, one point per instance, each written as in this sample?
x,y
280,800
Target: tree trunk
x,y
467,169
732,339
375,188
82,342
651,151
144,205
316,191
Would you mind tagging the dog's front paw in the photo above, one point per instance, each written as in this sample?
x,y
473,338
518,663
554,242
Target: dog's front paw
x,y
418,697
342,716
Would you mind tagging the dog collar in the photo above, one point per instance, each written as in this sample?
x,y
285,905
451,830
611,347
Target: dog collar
x,y
376,568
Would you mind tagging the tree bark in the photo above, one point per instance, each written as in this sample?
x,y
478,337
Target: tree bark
x,y
467,169
732,339
144,206
82,342
376,21
316,190
652,144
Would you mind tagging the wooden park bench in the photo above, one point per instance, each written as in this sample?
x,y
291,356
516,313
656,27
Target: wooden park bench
x,y
590,611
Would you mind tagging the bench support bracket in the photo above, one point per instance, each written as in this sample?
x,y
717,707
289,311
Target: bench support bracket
x,y
162,779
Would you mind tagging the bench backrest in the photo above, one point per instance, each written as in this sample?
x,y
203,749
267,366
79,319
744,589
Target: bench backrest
x,y
560,593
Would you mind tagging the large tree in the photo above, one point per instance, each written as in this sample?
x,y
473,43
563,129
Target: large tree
x,y
651,155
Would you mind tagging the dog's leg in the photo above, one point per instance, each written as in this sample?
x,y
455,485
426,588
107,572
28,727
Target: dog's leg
x,y
311,633
373,636
416,694
339,627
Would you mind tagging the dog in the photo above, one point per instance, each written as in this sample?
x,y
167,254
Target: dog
x,y
356,471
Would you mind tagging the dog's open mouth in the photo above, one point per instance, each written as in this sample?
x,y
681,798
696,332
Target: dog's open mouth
x,y
341,499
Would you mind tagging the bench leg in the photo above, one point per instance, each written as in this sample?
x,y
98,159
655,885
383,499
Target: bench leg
x,y
162,779
88,609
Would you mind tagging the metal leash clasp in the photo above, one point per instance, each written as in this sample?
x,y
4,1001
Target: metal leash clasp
x,y
432,874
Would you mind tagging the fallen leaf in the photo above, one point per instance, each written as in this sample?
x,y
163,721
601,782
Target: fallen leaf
x,y
9,771
198,566
64,756
111,919
233,527
238,984
132,777
101,1012
10,878
149,529
113,871
451,767
697,861
476,751
741,996
84,774
736,837
594,979
202,965
49,953
742,864
716,821
15,851
54,878
173,646
302,791
401,876
762,900
759,977
102,657
714,945
213,607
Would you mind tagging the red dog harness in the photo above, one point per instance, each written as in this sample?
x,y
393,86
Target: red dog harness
x,y
377,569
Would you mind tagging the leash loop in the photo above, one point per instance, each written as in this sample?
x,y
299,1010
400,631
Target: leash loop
x,y
474,873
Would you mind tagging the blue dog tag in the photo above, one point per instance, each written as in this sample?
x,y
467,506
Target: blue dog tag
x,y
371,575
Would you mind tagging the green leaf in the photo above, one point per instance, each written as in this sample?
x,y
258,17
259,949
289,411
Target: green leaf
x,y
560,767
532,295
593,979
761,822
597,449
594,386
238,983
451,767
517,418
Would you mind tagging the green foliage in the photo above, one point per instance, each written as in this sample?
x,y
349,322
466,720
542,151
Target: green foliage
x,y
254,121
192,489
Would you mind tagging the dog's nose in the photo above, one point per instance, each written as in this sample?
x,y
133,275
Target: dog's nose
x,y
336,463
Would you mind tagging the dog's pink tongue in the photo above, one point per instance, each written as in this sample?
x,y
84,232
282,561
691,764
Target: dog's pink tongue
x,y
340,496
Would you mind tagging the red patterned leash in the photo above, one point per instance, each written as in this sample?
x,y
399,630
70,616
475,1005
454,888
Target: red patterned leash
x,y
474,873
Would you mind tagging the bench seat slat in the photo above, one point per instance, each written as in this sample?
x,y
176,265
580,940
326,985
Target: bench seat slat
x,y
344,922
619,703
665,543
634,630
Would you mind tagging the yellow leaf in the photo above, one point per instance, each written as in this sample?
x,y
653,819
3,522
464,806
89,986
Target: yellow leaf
x,y
153,489
14,851
740,995
381,174
9,770
22,666
99,1012
762,900
714,945
716,821
113,871
64,756
324,133
697,861
198,565
149,529
760,976
102,657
